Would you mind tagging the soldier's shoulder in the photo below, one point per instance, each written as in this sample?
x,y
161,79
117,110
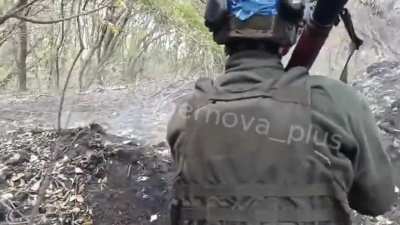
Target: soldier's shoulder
x,y
334,87
204,85
340,94
317,80
200,86
197,93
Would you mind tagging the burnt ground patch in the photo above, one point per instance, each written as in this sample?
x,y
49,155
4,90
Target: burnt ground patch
x,y
94,178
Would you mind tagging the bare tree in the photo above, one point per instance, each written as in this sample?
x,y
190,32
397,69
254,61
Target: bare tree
x,y
22,50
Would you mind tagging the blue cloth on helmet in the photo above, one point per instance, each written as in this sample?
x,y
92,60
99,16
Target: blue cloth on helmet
x,y
244,9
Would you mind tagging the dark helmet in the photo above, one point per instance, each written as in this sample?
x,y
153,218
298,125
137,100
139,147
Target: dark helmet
x,y
275,21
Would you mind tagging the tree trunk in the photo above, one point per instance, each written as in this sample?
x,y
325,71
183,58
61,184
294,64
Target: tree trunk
x,y
22,52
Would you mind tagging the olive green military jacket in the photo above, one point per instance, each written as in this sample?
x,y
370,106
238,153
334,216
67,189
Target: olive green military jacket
x,y
336,109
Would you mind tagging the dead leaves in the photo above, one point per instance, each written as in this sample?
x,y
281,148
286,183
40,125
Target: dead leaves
x,y
25,158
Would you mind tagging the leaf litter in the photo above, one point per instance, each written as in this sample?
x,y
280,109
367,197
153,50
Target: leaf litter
x,y
92,178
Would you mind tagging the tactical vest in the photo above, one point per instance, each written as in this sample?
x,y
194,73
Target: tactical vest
x,y
253,146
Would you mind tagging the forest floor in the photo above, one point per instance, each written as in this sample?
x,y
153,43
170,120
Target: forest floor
x,y
82,176
118,177
115,171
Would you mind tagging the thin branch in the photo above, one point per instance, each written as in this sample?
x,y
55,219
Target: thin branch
x,y
22,7
31,20
4,82
82,48
60,45
6,34
15,10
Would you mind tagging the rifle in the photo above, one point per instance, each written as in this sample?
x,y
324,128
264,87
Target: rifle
x,y
317,30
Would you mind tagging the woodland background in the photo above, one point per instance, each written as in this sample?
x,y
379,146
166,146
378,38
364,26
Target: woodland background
x,y
121,42
94,42
116,68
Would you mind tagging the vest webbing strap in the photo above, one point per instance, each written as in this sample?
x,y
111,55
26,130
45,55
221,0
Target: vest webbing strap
x,y
258,215
255,190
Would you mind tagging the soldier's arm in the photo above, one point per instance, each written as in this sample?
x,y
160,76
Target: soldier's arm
x,y
186,106
174,130
373,190
176,125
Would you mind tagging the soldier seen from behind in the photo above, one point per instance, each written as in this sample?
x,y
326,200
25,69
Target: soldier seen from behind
x,y
264,145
